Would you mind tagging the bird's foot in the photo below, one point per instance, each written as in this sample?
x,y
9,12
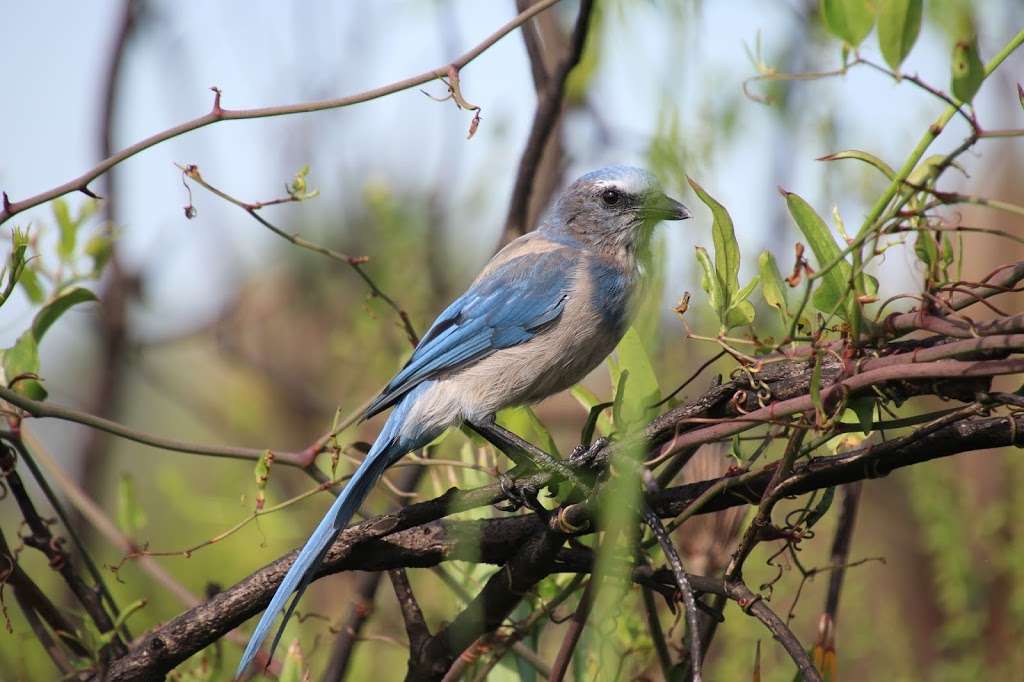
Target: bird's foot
x,y
582,456
518,495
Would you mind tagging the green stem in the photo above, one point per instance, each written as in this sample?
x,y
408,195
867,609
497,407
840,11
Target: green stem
x,y
934,130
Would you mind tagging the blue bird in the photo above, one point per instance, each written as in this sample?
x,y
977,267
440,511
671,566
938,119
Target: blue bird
x,y
544,312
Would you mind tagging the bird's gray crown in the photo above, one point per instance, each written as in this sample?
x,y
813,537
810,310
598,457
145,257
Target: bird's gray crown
x,y
613,209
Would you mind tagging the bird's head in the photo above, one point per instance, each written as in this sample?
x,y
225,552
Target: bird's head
x,y
614,209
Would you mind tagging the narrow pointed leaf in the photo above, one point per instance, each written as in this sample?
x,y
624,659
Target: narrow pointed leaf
x,y
727,249
899,23
834,287
871,159
712,284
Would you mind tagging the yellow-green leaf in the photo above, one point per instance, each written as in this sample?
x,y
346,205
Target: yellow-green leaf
x,y
23,358
772,288
712,284
968,71
871,159
850,20
67,228
57,307
641,391
899,22
834,286
727,249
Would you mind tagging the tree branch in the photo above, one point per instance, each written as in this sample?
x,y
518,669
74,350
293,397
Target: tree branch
x,y
218,113
545,118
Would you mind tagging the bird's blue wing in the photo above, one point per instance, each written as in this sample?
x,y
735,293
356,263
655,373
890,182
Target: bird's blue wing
x,y
505,308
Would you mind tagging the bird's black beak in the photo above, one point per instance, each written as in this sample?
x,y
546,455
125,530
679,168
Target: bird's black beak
x,y
667,208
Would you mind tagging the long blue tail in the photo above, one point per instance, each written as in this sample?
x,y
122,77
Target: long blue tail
x,y
389,446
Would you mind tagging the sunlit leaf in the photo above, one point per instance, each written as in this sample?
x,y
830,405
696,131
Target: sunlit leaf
x,y
585,397
727,249
834,287
641,391
23,358
968,71
849,20
871,159
740,314
899,22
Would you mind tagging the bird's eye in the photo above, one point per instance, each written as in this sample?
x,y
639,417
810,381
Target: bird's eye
x,y
611,197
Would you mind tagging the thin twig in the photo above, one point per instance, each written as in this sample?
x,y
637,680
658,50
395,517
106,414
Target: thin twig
x,y
218,113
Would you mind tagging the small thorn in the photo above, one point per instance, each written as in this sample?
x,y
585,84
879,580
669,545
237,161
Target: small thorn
x,y
7,203
216,100
89,193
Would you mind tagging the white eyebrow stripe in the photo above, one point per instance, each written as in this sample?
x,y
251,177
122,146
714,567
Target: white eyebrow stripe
x,y
627,185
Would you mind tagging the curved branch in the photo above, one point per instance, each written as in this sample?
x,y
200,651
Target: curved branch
x,y
391,541
218,113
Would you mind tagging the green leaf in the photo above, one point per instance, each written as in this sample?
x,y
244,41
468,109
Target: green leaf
x,y
899,22
68,229
926,249
740,314
864,408
642,390
29,281
16,263
835,286
99,247
772,288
871,159
727,249
23,358
712,284
744,293
591,403
849,20
57,307
130,516
968,71
523,421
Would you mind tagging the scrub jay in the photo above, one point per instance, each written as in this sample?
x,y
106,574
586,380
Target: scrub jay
x,y
544,312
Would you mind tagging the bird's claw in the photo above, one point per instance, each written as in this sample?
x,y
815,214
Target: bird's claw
x,y
583,455
518,496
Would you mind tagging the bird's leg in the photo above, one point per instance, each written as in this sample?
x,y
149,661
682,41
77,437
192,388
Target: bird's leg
x,y
525,453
